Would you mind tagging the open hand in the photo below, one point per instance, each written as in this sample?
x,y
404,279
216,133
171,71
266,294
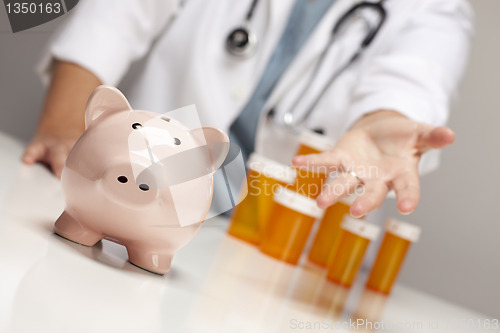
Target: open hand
x,y
381,152
51,149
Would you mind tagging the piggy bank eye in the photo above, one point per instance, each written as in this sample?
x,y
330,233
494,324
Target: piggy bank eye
x,y
136,126
177,141
144,187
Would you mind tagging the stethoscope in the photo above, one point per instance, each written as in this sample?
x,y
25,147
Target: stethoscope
x,y
242,42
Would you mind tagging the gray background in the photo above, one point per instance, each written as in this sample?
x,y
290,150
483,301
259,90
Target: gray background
x,y
458,257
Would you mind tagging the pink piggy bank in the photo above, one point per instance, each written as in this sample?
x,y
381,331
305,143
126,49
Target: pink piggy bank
x,y
139,179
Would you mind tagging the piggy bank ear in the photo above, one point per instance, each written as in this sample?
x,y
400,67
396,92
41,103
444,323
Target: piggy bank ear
x,y
104,99
217,142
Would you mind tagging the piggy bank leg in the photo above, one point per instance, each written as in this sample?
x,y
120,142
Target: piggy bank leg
x,y
66,226
151,260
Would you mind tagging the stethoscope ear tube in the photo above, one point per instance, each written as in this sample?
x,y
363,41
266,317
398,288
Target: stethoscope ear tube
x,y
288,118
377,6
373,32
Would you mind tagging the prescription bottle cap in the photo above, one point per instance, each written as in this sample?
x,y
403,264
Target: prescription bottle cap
x,y
297,202
316,140
402,229
360,227
271,169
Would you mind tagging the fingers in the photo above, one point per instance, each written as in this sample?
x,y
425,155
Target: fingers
x,y
342,185
372,197
57,158
435,138
34,152
373,194
407,188
51,149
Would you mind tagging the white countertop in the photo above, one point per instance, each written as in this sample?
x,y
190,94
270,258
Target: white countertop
x,y
217,283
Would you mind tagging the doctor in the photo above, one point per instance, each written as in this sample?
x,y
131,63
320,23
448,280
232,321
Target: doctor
x,y
376,77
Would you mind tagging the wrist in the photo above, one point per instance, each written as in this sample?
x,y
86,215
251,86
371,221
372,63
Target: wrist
x,y
59,127
376,116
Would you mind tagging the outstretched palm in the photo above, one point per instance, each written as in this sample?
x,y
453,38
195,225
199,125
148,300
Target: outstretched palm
x,y
383,149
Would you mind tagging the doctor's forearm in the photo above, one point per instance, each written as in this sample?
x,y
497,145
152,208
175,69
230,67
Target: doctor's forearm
x,y
63,116
64,106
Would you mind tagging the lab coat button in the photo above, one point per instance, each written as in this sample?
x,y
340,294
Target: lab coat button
x,y
239,92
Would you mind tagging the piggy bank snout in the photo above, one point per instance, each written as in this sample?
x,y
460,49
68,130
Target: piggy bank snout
x,y
132,184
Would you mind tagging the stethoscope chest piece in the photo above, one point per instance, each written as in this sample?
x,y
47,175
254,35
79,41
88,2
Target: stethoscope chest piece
x,y
241,42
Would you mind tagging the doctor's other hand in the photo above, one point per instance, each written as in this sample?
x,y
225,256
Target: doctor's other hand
x,y
381,152
51,149
63,116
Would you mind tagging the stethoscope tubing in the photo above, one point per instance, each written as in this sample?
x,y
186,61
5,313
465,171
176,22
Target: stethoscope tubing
x,y
288,118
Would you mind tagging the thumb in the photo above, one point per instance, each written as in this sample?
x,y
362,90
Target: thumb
x,y
435,138
34,152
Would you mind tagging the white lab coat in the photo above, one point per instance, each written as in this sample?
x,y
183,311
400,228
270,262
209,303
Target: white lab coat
x,y
413,66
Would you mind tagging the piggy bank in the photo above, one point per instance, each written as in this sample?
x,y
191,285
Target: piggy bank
x,y
139,179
